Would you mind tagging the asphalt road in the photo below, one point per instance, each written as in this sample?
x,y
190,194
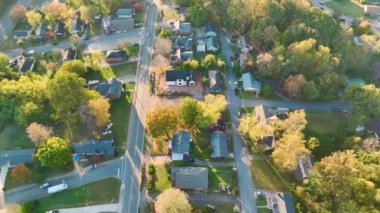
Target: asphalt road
x,y
242,159
132,163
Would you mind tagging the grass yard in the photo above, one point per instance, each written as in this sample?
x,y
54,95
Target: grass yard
x,y
120,113
346,8
162,178
5,4
265,176
329,128
263,210
124,69
261,201
13,136
82,196
218,176
246,95
219,208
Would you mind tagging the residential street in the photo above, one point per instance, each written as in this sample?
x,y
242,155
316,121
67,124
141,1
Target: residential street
x,y
246,186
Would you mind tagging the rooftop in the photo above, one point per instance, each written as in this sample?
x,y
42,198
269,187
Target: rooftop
x,y
219,144
190,177
95,147
181,142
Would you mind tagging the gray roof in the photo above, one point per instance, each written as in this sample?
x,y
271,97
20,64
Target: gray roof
x,y
188,55
69,54
95,147
116,54
250,82
111,88
186,27
27,64
268,141
284,203
181,142
374,126
122,24
210,27
184,43
190,177
215,81
219,144
174,75
41,31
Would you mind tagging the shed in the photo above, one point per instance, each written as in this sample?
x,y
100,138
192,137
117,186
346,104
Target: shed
x,y
250,83
180,145
219,144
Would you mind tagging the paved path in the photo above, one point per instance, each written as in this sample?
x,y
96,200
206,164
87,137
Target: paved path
x,y
92,209
242,159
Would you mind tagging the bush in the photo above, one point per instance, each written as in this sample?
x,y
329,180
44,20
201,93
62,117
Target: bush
x,y
165,33
237,70
267,92
235,191
151,169
29,207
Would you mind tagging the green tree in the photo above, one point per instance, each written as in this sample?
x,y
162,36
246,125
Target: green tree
x,y
162,121
211,109
5,70
54,153
310,91
210,61
190,65
34,18
199,15
75,41
172,200
95,113
65,92
189,110
74,66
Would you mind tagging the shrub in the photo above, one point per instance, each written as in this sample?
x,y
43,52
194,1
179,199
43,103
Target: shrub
x,y
151,169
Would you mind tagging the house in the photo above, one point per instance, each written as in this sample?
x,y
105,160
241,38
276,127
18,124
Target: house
x,y
373,126
180,145
201,46
190,178
180,78
211,44
282,203
372,10
305,167
26,64
187,55
219,144
250,83
211,30
41,32
268,141
376,71
114,56
95,147
215,81
264,115
69,55
77,26
245,44
59,29
110,25
183,29
184,43
111,88
125,13
22,34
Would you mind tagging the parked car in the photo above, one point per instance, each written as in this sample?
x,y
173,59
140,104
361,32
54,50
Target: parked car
x,y
53,211
106,132
229,189
30,52
239,114
44,185
109,126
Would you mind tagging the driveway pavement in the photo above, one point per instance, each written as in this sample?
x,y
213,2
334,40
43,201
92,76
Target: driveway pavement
x,y
92,209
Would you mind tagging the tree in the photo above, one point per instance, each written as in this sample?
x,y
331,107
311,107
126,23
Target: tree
x,y
365,102
162,121
5,70
189,111
294,84
166,33
211,109
363,28
65,92
55,10
312,143
34,18
160,64
21,173
88,14
296,122
310,91
38,133
210,61
74,66
172,200
288,150
18,12
55,153
199,15
138,6
96,113
75,41
192,64
163,46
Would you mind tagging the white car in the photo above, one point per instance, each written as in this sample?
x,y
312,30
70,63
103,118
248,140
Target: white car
x,y
106,132
109,126
30,52
44,185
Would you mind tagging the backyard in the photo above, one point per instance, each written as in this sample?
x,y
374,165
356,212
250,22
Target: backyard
x,y
347,7
13,136
120,112
265,176
112,71
220,176
82,196
162,178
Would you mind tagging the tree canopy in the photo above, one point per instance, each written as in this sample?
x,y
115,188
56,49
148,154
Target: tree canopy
x,y
172,200
162,122
54,153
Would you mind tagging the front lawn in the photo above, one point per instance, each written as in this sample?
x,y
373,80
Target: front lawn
x,y
263,210
329,128
265,176
13,136
99,192
219,207
124,69
261,200
162,178
120,113
219,176
346,8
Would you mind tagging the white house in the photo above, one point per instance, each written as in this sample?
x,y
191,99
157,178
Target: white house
x,y
180,78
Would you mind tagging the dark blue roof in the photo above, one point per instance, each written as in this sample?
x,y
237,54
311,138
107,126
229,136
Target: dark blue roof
x,y
181,142
95,147
111,88
289,203
210,27
173,75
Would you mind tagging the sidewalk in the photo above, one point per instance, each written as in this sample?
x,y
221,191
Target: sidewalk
x,y
92,209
